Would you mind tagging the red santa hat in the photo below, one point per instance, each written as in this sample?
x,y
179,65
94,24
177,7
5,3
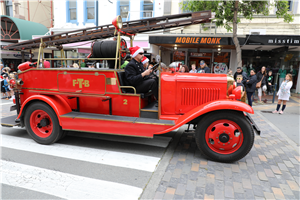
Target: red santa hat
x,y
135,50
145,60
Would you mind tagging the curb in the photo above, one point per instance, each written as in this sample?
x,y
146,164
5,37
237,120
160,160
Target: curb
x,y
282,134
152,185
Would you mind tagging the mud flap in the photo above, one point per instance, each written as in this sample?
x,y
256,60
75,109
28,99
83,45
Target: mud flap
x,y
9,121
253,124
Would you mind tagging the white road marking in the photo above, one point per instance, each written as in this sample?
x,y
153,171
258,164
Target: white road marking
x,y
119,159
64,185
1,104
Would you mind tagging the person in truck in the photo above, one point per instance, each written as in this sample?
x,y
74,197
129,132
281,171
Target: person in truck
x,y
136,76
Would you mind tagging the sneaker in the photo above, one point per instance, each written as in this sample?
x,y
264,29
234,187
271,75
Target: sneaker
x,y
275,112
281,112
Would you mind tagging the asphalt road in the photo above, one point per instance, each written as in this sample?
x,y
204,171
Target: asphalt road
x,y
80,166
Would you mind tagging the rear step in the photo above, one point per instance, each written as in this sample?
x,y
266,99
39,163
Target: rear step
x,y
150,111
9,121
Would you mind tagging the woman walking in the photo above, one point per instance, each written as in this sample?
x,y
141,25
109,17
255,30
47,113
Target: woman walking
x,y
251,86
262,76
284,93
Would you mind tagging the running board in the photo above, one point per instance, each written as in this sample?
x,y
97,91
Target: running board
x,y
9,121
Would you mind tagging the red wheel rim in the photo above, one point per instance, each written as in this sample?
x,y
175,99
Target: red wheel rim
x,y
224,137
41,123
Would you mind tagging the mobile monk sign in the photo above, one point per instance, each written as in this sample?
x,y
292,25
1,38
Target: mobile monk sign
x,y
189,40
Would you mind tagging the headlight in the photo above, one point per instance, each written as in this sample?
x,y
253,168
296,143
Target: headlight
x,y
238,92
117,22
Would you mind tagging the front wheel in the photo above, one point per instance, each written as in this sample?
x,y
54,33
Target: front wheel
x,y
224,136
42,123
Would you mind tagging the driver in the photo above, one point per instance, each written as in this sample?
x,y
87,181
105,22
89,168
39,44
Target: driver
x,y
136,76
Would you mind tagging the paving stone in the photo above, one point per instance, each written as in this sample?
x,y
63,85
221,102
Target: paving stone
x,y
171,167
278,193
282,167
183,178
293,172
269,195
238,187
167,176
288,164
209,188
203,164
249,162
176,173
191,185
189,194
193,176
268,155
178,197
182,157
274,153
254,179
293,185
287,176
294,161
158,195
199,193
228,181
170,190
246,183
297,194
201,182
202,172
162,186
173,182
227,172
239,196
244,174
219,175
195,167
269,173
259,167
258,191
210,169
286,189
235,168
252,170
229,191
276,169
297,179
242,165
248,193
168,196
262,158
237,177
210,178
262,176
219,194
186,168
259,198
180,190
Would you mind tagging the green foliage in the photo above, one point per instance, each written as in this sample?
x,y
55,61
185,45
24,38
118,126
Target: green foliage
x,y
225,9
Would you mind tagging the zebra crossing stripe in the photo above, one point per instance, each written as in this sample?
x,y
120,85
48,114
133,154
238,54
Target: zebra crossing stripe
x,y
119,159
63,185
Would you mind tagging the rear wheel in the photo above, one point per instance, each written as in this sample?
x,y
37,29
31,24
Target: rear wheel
x,y
42,123
224,136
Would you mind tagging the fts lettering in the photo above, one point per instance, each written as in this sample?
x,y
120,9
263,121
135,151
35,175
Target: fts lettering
x,y
81,82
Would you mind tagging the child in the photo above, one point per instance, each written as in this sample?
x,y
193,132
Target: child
x,y
5,85
270,81
239,79
284,93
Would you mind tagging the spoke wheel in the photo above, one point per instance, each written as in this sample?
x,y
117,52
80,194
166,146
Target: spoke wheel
x,y
42,123
224,136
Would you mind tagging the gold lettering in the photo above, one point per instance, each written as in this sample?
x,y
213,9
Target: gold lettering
x,y
208,40
125,101
218,41
86,83
178,40
203,40
74,82
81,82
183,40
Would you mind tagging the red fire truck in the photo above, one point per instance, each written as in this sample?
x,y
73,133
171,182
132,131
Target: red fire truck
x,y
51,101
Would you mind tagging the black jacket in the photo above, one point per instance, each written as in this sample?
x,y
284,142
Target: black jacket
x,y
206,70
259,76
270,79
251,84
133,73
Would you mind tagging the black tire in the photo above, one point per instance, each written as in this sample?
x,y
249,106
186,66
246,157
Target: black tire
x,y
212,122
36,132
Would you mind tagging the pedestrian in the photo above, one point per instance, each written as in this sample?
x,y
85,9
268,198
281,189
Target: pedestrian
x,y
3,91
251,86
270,81
184,69
239,80
229,73
203,67
262,78
239,71
193,70
284,93
6,86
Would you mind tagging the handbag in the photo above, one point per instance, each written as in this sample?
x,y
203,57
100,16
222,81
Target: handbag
x,y
258,85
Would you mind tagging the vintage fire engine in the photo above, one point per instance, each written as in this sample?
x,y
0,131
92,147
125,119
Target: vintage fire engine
x,y
51,101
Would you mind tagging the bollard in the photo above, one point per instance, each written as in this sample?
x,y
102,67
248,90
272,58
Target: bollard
x,y
274,92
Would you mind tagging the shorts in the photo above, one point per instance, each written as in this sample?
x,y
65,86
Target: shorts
x,y
263,88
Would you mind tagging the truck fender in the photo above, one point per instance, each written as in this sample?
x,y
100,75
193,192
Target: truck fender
x,y
57,103
209,107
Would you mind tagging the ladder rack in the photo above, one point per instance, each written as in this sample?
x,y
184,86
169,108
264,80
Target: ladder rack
x,y
106,31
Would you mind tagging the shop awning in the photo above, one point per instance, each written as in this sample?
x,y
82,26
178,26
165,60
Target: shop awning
x,y
14,29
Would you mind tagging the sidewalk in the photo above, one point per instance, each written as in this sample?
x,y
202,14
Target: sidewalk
x,y
269,171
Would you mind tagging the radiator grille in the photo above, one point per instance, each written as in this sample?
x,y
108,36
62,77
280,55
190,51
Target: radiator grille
x,y
198,96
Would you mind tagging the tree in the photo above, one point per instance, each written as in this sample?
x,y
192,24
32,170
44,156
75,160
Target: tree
x,y
226,14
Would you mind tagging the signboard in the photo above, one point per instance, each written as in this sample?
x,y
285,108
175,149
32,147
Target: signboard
x,y
200,54
220,68
190,40
273,40
179,56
